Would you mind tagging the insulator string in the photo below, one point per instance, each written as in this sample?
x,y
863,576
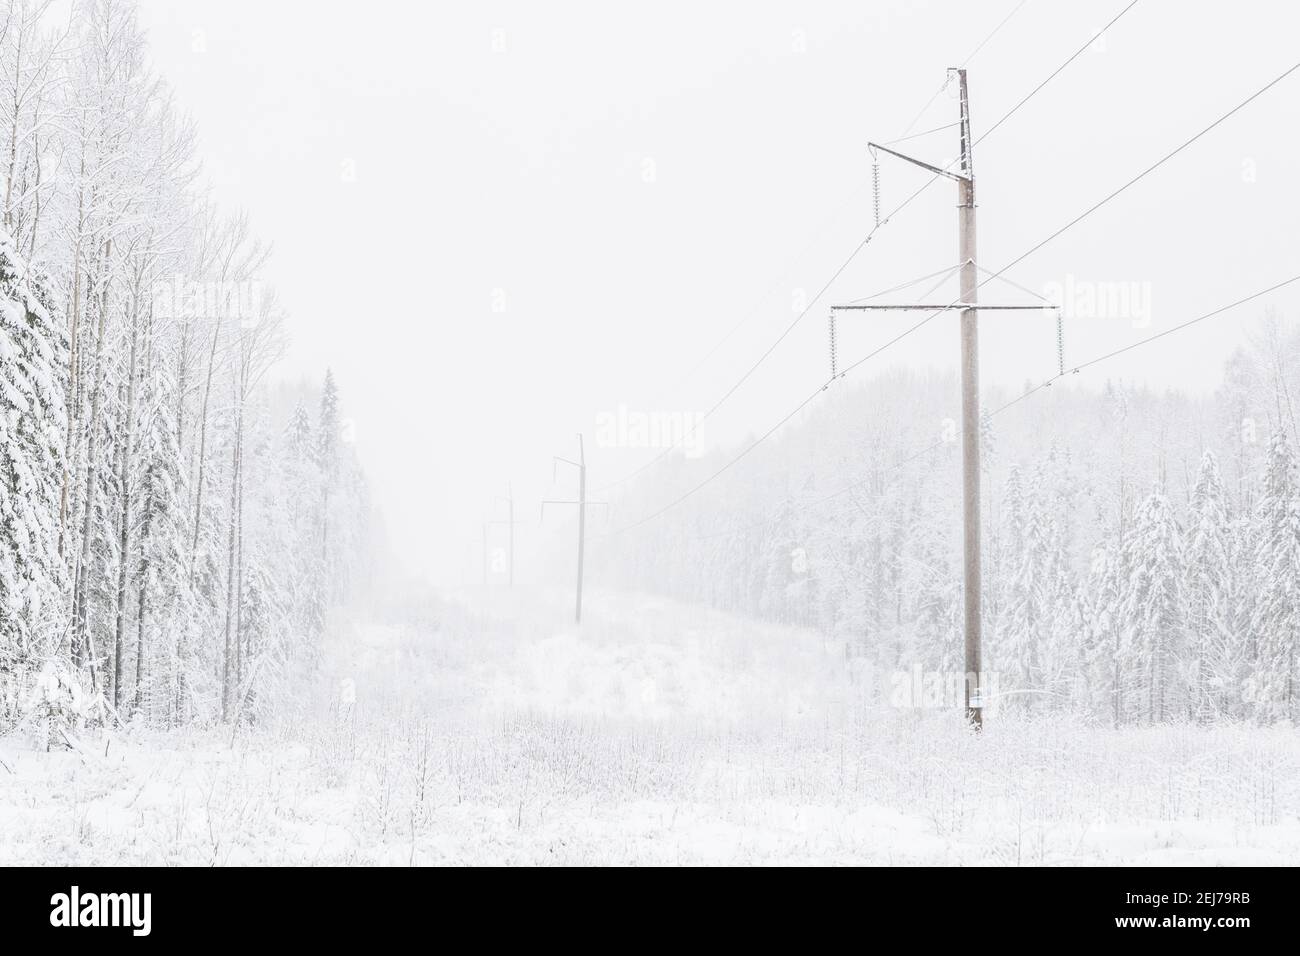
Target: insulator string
x,y
1060,342
834,361
875,190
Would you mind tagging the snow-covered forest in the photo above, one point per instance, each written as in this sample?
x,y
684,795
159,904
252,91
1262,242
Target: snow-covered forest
x,y
1142,551
171,538
391,473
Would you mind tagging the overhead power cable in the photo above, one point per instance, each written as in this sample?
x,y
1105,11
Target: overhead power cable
x,y
1073,222
920,453
697,422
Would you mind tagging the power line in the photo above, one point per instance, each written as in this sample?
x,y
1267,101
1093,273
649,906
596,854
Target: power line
x,y
1142,175
819,501
1032,93
1077,53
753,310
766,435
1087,212
904,139
1073,222
1138,344
909,283
1010,404
694,426
970,56
1091,209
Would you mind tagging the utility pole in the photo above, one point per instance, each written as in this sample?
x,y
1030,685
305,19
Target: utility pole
x,y
510,523
509,499
970,418
581,502
968,306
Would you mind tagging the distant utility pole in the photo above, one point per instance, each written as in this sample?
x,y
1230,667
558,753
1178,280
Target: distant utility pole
x,y
510,522
970,399
581,502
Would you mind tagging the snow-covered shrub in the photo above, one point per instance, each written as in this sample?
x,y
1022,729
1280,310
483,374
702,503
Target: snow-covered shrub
x,y
56,706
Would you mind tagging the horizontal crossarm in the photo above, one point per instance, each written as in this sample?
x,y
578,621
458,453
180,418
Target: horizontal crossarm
x,y
946,306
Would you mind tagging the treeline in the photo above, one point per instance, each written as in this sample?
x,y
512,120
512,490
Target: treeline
x,y
1142,549
166,549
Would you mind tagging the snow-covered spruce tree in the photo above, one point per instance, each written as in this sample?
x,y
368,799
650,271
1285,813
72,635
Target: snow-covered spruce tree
x,y
937,601
1275,623
298,434
33,355
1154,614
1103,633
299,480
858,562
1036,597
785,569
1006,561
1060,660
329,426
161,581
1240,449
267,579
1214,659
1080,687
327,441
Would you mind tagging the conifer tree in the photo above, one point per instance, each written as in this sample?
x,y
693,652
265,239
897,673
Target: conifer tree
x,y
1275,622
32,361
1153,611
1213,662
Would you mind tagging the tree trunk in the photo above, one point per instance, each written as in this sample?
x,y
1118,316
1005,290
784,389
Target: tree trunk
x,y
81,620
74,327
124,518
203,443
228,664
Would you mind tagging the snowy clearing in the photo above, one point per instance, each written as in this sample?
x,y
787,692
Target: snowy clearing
x,y
655,734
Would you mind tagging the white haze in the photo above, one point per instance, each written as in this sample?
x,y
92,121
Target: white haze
x,y
522,170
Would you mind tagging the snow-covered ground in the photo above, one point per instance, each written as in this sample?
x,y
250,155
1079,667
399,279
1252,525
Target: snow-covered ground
x,y
465,732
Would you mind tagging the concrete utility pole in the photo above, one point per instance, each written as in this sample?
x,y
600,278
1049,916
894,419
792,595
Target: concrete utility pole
x,y
970,416
581,502
510,522
970,401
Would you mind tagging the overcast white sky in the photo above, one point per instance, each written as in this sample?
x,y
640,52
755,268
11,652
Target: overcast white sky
x,y
409,159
